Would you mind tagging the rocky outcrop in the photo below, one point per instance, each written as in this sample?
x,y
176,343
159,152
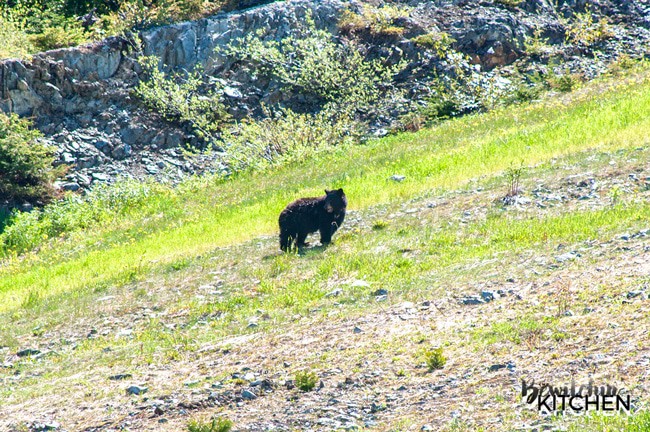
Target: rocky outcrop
x,y
81,97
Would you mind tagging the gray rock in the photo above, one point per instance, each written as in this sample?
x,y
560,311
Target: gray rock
x,y
488,296
232,92
335,293
247,394
496,367
472,300
26,207
71,186
136,390
380,292
398,177
357,330
119,377
101,177
28,352
67,158
122,151
567,257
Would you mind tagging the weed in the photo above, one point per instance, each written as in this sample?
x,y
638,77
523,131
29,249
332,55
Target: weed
x,y
216,424
305,380
615,195
379,224
563,296
513,175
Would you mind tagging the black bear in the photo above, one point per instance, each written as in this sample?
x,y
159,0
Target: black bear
x,y
308,215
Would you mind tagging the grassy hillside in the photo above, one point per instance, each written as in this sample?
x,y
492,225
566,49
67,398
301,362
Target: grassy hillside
x,y
178,285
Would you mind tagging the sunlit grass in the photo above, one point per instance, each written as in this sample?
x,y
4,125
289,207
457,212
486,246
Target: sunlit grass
x,y
172,226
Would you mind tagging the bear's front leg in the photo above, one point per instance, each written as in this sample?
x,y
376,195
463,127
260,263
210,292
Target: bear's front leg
x,y
325,233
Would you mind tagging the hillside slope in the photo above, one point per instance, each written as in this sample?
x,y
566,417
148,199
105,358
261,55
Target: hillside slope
x,y
183,290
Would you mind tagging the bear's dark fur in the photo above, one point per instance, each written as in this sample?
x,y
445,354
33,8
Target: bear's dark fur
x,y
308,215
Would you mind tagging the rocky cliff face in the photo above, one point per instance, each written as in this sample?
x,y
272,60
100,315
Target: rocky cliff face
x,y
81,97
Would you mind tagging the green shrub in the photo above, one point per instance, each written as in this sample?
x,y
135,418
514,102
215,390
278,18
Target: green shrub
x,y
310,62
141,14
536,45
62,36
440,42
583,29
26,231
378,21
434,359
306,380
26,171
464,90
285,137
509,3
15,40
216,424
183,98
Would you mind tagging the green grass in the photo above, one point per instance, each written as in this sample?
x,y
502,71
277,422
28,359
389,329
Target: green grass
x,y
153,247
209,213
634,422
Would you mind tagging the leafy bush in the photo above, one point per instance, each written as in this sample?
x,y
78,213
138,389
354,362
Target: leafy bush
x,y
184,98
218,424
464,90
306,380
285,137
69,33
26,171
311,62
585,30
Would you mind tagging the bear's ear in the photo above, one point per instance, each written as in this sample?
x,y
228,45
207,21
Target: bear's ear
x,y
327,192
340,191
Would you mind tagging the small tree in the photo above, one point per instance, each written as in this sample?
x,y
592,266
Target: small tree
x,y
26,170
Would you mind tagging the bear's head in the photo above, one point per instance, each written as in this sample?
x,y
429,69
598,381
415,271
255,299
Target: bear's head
x,y
335,201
